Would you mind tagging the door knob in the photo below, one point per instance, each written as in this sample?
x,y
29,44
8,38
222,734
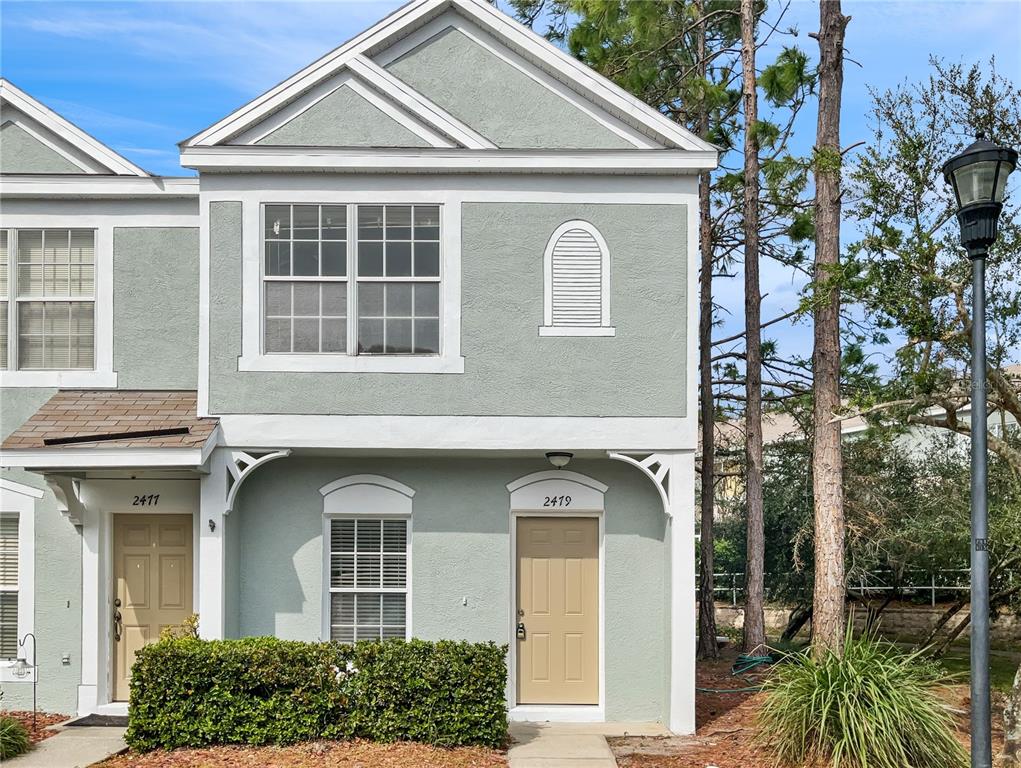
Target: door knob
x,y
521,631
117,626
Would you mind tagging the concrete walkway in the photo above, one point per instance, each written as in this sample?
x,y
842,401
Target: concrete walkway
x,y
570,745
74,747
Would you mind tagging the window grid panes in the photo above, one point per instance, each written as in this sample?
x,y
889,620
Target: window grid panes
x,y
398,279
368,579
47,298
8,586
308,258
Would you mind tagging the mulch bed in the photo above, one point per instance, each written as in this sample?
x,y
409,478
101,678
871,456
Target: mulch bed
x,y
354,754
726,726
42,720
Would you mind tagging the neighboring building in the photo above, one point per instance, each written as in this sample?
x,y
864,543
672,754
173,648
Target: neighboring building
x,y
310,392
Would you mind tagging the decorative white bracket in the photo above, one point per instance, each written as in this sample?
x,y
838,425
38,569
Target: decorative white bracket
x,y
656,467
67,491
242,465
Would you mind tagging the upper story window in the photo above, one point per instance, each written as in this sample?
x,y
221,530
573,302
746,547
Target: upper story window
x,y
351,279
47,299
576,282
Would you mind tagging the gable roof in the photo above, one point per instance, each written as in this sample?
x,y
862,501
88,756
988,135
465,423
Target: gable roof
x,y
63,138
356,54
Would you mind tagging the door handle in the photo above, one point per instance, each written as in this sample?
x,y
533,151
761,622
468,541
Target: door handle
x,y
521,631
117,626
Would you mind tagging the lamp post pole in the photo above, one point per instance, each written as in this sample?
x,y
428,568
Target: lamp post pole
x,y
978,176
981,724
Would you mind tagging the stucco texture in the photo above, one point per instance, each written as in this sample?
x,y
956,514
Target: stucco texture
x,y
460,554
21,152
58,607
156,300
343,119
509,369
496,99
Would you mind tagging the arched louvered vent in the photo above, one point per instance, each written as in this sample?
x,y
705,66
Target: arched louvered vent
x,y
577,281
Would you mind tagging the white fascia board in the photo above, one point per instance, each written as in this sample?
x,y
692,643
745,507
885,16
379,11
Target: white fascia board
x,y
417,104
71,133
34,186
105,458
247,159
591,84
405,17
9,486
482,433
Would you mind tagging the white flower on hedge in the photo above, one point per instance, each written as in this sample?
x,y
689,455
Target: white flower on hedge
x,y
351,668
340,675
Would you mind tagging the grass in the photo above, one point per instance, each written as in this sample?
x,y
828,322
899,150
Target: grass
x,y
1001,669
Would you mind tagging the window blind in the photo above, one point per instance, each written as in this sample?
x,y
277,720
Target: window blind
x,y
8,586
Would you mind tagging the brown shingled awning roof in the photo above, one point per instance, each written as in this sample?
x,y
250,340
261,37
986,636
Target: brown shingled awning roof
x,y
114,419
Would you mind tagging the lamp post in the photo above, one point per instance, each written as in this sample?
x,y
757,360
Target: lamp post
x,y
979,178
22,669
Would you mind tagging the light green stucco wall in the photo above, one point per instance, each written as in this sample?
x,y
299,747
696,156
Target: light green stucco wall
x,y
343,119
21,152
58,606
156,307
499,101
509,368
460,549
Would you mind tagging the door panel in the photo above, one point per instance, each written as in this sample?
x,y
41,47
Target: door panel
x,y
152,581
558,603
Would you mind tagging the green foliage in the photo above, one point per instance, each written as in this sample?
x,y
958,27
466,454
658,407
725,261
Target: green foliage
x,y
14,738
873,707
190,692
784,79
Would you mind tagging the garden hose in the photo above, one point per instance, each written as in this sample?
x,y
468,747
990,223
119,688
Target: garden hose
x,y
746,663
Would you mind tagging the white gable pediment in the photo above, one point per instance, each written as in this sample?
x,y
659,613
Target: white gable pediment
x,y
38,141
474,77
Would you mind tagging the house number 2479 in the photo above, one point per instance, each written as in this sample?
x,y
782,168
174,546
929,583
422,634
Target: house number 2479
x,y
557,501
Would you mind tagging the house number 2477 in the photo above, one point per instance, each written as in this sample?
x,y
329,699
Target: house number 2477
x,y
557,501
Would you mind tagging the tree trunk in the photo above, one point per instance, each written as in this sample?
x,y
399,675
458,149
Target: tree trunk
x,y
708,648
827,459
799,617
754,619
1011,757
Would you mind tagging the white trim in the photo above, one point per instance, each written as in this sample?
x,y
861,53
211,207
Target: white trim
x,y
534,433
525,42
35,186
67,131
548,328
555,713
63,457
252,463
29,126
493,46
568,485
380,480
366,497
390,160
449,359
60,379
567,330
19,499
417,104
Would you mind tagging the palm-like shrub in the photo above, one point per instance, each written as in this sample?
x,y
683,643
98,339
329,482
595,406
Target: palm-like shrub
x,y
873,707
14,739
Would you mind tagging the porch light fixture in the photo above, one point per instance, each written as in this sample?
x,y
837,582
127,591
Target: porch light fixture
x,y
559,459
979,178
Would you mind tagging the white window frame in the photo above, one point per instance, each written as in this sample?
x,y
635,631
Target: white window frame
x,y
254,358
548,328
102,374
19,499
365,497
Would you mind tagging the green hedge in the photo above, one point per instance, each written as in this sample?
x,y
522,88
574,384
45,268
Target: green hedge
x,y
189,693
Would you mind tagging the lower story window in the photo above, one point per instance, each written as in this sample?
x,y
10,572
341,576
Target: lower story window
x,y
368,579
8,586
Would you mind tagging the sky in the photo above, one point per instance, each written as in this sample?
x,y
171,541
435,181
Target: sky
x,y
142,76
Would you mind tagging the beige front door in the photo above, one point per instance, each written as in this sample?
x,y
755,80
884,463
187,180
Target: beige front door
x,y
558,610
152,584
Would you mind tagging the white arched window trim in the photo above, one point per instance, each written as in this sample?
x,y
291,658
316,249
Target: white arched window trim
x,y
604,328
375,501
